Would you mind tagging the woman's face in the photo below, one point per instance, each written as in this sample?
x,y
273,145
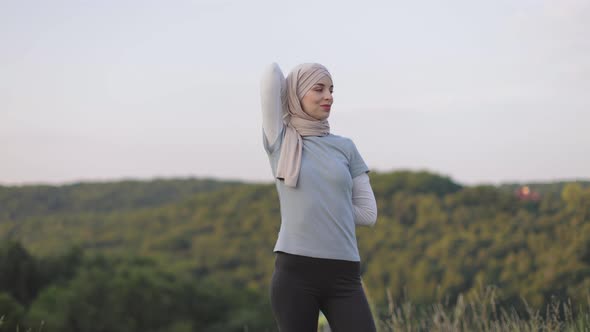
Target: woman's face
x,y
318,100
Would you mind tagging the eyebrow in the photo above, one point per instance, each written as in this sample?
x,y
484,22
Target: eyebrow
x,y
322,84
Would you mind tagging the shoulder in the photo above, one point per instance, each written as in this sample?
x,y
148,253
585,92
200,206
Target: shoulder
x,y
343,141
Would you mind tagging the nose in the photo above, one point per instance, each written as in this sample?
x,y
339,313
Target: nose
x,y
328,96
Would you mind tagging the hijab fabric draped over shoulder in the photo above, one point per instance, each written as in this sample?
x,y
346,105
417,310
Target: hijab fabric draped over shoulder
x,y
298,123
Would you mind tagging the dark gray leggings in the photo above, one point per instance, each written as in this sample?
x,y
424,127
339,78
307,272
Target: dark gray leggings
x,y
302,286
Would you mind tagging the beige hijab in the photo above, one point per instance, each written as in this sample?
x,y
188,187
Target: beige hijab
x,y
298,123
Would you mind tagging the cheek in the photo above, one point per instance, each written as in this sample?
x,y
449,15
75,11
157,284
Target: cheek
x,y
309,101
317,98
305,104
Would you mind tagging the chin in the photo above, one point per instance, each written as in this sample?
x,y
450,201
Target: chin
x,y
323,117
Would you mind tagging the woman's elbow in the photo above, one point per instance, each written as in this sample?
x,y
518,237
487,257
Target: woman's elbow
x,y
366,217
372,219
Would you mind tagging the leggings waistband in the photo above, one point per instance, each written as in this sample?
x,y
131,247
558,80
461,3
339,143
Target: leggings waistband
x,y
291,262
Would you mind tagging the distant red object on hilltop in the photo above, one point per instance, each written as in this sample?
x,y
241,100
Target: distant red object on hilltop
x,y
525,193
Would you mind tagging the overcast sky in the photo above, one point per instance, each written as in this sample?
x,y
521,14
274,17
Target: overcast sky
x,y
481,91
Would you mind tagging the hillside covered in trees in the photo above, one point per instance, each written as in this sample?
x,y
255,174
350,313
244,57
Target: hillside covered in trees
x,y
188,240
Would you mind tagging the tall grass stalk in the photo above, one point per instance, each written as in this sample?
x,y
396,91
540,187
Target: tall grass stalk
x,y
479,312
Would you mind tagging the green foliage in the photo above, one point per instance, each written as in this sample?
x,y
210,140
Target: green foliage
x,y
18,272
412,183
38,200
120,293
434,240
120,299
11,313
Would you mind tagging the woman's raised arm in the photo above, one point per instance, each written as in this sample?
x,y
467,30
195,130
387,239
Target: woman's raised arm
x,y
272,92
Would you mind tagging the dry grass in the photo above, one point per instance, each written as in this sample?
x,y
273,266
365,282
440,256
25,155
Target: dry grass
x,y
480,313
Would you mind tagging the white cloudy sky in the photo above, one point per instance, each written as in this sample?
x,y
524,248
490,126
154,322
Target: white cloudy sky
x,y
482,91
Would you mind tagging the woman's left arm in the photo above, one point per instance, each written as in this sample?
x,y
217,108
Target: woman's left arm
x,y
363,201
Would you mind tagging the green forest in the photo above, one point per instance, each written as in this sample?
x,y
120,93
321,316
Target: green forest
x,y
196,254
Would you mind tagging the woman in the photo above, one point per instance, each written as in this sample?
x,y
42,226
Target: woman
x,y
324,192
